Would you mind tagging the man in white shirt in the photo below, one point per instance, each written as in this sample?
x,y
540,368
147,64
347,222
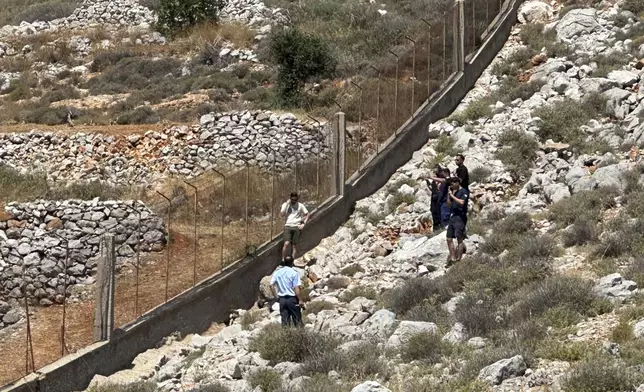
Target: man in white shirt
x,y
296,217
285,284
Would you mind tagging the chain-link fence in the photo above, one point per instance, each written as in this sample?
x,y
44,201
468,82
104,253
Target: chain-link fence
x,y
191,229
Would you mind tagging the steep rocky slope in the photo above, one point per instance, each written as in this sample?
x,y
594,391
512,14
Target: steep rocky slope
x,y
547,298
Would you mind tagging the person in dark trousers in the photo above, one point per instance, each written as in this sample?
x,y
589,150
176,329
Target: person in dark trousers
x,y
457,199
434,186
285,284
296,216
463,174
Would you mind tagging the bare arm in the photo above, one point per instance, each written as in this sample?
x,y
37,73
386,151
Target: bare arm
x,y
274,290
297,294
283,209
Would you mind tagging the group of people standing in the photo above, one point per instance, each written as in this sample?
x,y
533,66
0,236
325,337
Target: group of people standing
x,y
450,197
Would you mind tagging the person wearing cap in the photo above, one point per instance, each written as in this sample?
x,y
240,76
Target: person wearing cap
x,y
285,284
457,198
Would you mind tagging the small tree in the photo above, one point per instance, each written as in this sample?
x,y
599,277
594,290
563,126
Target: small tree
x,y
178,15
300,56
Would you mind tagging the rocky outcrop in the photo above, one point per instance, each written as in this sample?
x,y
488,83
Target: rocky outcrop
x,y
35,238
222,139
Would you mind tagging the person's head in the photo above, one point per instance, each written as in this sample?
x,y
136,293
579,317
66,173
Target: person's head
x,y
460,158
288,261
444,173
454,183
294,197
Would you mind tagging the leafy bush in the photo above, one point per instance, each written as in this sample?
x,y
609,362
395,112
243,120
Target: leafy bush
x,y
132,73
216,387
178,15
514,63
587,205
429,310
601,374
635,6
357,362
582,232
46,11
511,88
277,344
140,386
475,110
426,347
444,145
300,56
563,351
519,152
414,291
537,38
141,115
477,312
561,121
45,115
399,199
608,63
635,271
623,332
358,291
59,93
558,291
480,174
267,379
105,59
508,233
539,247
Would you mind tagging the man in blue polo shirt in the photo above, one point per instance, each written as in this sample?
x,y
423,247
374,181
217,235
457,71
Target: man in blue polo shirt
x,y
285,284
457,198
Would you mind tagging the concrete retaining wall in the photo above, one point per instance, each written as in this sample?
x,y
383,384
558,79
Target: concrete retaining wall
x,y
237,286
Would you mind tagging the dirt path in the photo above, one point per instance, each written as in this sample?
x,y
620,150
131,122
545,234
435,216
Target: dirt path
x,y
46,322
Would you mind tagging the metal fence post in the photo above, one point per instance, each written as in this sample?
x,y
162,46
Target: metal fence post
x,y
104,318
196,238
273,166
247,196
138,260
66,276
429,57
459,36
29,346
359,126
413,76
444,46
317,161
223,201
396,92
339,144
377,110
169,245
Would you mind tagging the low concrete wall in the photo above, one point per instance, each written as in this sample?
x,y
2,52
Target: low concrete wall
x,y
237,286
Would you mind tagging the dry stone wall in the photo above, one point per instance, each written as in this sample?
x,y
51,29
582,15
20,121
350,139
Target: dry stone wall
x,y
222,139
34,238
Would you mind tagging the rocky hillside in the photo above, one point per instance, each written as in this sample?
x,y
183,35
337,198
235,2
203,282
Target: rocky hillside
x,y
547,297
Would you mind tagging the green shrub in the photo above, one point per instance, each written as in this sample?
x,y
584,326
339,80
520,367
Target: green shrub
x,y
480,174
587,205
59,93
358,362
557,291
278,344
322,383
488,356
537,38
582,232
300,56
563,351
511,88
134,73
45,115
315,307
608,63
601,374
475,110
477,311
429,310
414,291
358,291
518,153
508,233
635,271
178,15
540,247
426,347
140,386
216,387
46,11
105,59
141,115
514,63
623,332
444,145
399,199
267,379
154,5
561,121
635,6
